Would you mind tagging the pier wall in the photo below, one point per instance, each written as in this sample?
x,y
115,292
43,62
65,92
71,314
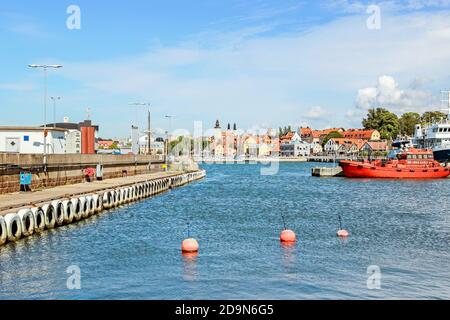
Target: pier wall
x,y
70,169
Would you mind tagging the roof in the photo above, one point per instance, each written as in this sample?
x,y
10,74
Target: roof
x,y
325,132
359,134
29,128
344,141
377,145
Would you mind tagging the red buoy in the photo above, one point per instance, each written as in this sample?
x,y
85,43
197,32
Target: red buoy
x,y
189,246
288,236
343,234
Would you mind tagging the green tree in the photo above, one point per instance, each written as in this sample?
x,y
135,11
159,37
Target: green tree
x,y
384,121
408,122
432,116
114,146
332,135
284,131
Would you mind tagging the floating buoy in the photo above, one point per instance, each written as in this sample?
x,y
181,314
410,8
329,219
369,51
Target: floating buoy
x,y
342,233
288,236
189,246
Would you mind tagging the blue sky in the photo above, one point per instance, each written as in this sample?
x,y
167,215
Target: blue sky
x,y
259,63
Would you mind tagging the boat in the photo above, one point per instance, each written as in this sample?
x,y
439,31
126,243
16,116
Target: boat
x,y
409,163
436,135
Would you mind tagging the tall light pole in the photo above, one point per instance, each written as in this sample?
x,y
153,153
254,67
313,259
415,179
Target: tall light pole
x,y
170,117
149,128
54,109
45,67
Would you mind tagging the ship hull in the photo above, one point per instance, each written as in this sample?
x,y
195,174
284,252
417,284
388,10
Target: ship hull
x,y
442,156
353,169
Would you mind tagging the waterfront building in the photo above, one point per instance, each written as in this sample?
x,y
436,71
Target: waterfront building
x,y
105,144
375,146
73,141
320,135
370,135
295,149
343,145
292,136
316,148
306,134
80,137
157,147
30,140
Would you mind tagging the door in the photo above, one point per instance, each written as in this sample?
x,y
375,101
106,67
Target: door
x,y
12,145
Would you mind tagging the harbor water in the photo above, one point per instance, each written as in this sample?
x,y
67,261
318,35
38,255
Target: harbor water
x,y
133,252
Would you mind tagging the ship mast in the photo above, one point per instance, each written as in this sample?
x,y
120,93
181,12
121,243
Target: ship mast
x,y
445,100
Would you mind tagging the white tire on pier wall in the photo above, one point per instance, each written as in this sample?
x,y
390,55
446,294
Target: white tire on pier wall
x,y
59,212
13,227
90,205
76,206
105,199
117,197
152,188
68,211
98,203
27,220
3,231
39,219
84,207
49,216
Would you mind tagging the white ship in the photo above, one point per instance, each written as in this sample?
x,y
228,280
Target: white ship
x,y
436,136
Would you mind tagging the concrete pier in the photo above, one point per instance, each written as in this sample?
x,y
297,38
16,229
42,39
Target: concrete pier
x,y
324,172
11,203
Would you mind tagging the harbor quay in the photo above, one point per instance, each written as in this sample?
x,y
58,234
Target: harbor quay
x,y
23,214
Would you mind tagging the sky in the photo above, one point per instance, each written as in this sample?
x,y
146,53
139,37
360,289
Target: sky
x,y
257,63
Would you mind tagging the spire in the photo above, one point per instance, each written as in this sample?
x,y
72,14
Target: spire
x,y
235,127
229,127
217,125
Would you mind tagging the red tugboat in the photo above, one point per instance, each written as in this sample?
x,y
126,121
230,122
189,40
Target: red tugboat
x,y
407,164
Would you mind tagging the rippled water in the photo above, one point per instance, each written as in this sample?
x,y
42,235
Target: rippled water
x,y
133,252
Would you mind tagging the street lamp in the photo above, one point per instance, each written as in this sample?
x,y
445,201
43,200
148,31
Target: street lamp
x,y
45,67
149,134
54,109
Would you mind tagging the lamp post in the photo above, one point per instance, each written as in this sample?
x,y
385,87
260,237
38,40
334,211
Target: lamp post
x,y
54,109
45,67
149,128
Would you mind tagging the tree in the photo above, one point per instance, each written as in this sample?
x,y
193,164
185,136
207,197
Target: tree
x,y
284,131
384,121
332,135
408,122
432,116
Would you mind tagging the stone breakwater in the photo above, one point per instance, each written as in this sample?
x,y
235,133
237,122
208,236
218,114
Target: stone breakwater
x,y
67,210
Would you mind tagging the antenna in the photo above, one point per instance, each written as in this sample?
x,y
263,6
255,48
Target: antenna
x,y
445,101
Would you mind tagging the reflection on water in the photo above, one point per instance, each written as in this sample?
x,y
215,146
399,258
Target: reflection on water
x,y
190,272
133,252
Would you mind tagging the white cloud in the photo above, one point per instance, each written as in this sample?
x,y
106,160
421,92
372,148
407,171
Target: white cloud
x,y
387,93
250,78
19,86
316,113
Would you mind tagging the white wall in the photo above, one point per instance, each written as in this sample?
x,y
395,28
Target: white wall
x,y
32,142
73,142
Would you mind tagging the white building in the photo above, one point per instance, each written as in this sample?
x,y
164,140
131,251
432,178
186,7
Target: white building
x,y
295,149
73,141
157,147
30,140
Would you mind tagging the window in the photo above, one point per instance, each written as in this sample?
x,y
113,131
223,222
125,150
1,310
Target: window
x,y
26,138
